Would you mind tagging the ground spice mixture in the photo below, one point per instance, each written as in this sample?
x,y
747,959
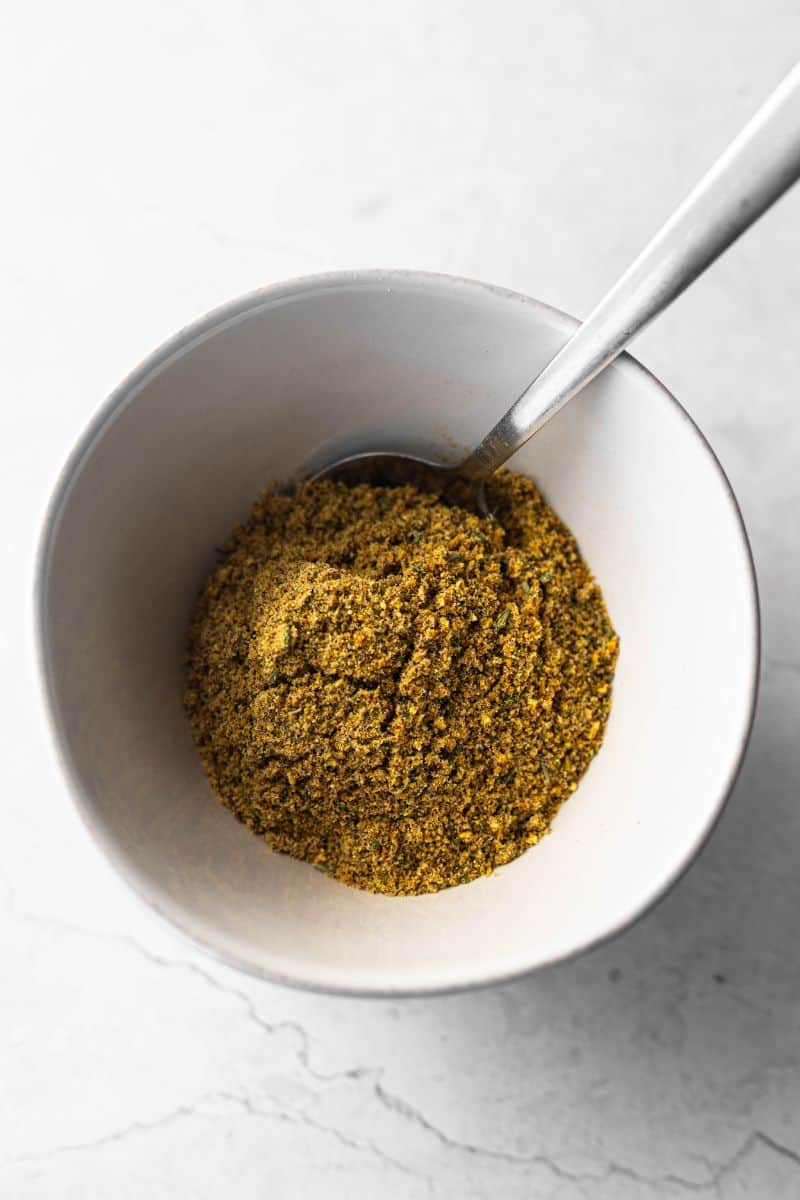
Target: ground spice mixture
x,y
395,689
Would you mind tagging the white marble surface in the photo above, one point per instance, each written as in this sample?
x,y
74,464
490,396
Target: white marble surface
x,y
159,158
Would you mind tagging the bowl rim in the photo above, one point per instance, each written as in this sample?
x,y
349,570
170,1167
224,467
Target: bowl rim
x,y
209,324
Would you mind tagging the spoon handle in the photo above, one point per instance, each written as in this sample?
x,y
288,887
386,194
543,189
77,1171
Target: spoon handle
x,y
755,170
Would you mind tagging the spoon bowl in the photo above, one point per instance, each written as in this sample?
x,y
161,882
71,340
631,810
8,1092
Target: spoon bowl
x,y
394,470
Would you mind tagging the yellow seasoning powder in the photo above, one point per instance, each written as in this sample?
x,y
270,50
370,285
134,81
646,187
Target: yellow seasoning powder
x,y
396,689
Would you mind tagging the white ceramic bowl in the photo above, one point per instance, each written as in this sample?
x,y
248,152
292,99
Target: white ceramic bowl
x,y
297,374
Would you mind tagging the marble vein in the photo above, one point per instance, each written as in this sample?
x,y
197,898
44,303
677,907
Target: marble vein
x,y
372,1079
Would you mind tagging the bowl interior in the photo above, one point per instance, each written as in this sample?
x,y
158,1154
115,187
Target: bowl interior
x,y
302,372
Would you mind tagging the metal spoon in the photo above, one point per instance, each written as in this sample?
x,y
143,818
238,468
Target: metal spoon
x,y
755,170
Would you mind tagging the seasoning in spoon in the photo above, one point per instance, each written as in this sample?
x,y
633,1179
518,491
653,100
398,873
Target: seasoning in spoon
x,y
395,689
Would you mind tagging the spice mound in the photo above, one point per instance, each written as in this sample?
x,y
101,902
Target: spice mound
x,y
395,689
